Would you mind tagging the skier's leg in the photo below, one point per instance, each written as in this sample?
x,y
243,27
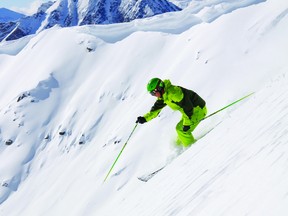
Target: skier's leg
x,y
186,137
198,114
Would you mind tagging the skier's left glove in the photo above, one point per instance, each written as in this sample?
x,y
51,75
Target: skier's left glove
x,y
186,128
141,120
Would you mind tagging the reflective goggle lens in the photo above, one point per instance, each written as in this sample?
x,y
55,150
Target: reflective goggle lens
x,y
153,93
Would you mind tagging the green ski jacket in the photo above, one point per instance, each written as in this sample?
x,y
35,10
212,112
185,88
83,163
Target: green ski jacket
x,y
177,98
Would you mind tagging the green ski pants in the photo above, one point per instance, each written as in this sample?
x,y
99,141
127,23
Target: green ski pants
x,y
185,137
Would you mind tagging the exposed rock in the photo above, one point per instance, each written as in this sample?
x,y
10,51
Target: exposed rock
x,y
62,133
9,142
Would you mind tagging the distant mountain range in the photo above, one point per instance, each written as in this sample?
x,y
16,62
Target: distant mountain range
x,y
8,15
67,13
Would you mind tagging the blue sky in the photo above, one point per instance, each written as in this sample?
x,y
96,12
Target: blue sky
x,y
23,6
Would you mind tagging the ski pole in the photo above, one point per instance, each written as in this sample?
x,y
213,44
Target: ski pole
x,y
227,106
120,153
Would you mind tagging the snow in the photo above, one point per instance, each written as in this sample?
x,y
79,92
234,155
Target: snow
x,y
89,83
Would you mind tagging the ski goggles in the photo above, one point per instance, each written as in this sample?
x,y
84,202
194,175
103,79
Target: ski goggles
x,y
154,92
157,90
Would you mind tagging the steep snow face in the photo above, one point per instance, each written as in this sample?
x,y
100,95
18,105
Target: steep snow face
x,y
115,11
145,8
70,98
239,168
57,14
72,19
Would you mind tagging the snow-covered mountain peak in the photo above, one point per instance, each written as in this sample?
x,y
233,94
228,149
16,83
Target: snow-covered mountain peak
x,y
44,7
82,12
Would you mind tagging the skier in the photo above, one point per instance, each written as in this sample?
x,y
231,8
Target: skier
x,y
189,103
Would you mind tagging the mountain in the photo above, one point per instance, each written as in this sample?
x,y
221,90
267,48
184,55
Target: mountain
x,y
9,16
25,25
184,3
8,23
81,12
70,98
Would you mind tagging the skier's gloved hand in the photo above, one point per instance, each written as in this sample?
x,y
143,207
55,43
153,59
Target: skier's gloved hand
x,y
141,120
186,128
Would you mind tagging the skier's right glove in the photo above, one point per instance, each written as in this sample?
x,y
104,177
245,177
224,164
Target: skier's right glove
x,y
141,120
186,128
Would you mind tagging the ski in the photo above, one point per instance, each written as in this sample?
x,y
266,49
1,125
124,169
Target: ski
x,y
147,177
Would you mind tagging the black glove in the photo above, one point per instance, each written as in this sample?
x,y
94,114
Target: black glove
x,y
141,120
186,128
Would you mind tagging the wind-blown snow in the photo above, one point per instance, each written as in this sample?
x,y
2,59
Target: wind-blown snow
x,y
70,98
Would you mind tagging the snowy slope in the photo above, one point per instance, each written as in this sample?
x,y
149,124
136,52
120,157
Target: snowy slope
x,y
88,84
240,168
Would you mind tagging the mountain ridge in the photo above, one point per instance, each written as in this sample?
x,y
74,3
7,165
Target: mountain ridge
x,y
7,15
66,13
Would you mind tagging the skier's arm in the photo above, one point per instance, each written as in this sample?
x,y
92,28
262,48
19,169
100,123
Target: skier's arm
x,y
155,110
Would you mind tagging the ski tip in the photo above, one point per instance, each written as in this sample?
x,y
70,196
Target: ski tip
x,y
142,179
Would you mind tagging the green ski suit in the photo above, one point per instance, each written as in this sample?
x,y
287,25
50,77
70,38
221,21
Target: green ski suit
x,y
189,103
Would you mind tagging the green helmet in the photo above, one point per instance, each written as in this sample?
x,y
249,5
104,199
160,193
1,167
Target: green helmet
x,y
154,83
